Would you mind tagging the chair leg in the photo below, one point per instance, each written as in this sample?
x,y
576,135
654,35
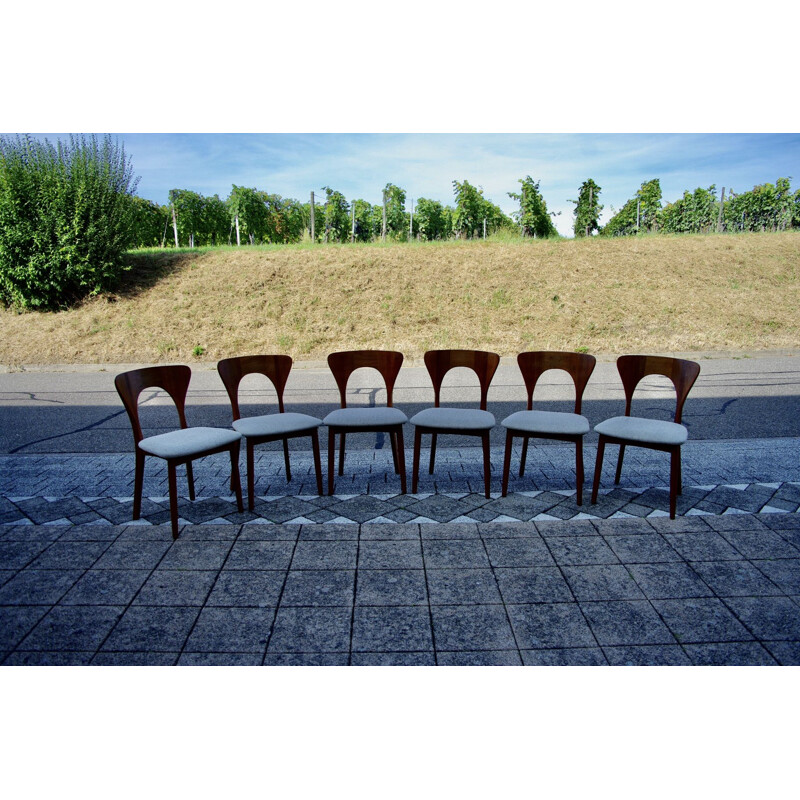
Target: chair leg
x,y
393,440
579,471
524,456
507,460
341,453
487,468
415,465
251,476
674,481
138,482
235,478
433,453
190,479
601,446
317,464
286,459
401,459
619,463
173,498
331,458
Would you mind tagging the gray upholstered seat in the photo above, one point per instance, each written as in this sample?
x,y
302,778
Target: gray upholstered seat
x,y
640,430
355,417
188,441
454,419
547,422
276,424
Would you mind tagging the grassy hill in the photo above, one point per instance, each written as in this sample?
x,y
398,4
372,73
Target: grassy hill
x,y
657,294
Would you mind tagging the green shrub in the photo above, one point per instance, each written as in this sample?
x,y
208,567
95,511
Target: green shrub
x,y
65,219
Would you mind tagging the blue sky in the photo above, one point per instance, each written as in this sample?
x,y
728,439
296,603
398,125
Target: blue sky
x,y
425,164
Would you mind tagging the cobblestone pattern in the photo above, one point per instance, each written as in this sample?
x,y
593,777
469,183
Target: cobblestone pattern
x,y
719,478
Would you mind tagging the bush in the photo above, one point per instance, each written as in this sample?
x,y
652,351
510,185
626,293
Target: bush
x,y
65,219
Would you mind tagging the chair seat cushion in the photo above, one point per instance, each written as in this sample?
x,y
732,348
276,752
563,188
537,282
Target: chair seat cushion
x,y
645,431
360,417
454,419
188,441
547,422
276,424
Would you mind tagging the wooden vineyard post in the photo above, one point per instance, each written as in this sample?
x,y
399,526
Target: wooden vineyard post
x,y
175,226
721,205
312,218
383,226
353,227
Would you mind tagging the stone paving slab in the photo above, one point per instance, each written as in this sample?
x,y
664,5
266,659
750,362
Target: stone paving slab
x,y
702,590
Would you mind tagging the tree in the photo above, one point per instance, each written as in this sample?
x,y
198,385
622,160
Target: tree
x,y
469,209
366,229
396,217
149,222
431,219
215,221
66,219
337,216
648,202
766,207
587,209
695,212
533,216
248,213
188,214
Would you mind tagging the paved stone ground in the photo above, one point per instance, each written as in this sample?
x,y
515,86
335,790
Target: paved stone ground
x,y
355,579
756,476
695,590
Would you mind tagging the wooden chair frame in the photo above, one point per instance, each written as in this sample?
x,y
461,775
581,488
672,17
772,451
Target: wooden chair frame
x,y
533,365
439,362
173,379
342,365
632,369
276,369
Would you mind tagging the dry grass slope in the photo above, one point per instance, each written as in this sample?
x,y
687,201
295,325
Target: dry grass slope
x,y
657,294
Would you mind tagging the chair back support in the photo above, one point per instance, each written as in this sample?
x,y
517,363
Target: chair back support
x,y
483,364
579,366
275,367
343,364
173,379
682,373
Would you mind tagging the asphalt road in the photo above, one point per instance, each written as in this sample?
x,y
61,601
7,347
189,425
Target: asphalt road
x,y
77,409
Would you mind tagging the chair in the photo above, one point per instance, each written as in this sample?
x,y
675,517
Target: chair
x,y
176,447
561,426
384,419
464,421
268,427
650,433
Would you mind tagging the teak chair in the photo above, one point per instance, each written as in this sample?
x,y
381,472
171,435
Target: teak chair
x,y
176,447
464,421
267,427
385,419
650,433
562,426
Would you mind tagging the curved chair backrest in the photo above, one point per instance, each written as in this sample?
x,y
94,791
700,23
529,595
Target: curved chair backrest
x,y
682,373
173,379
232,370
482,363
343,364
579,366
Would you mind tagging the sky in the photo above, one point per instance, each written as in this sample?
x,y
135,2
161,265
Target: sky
x,y
426,164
